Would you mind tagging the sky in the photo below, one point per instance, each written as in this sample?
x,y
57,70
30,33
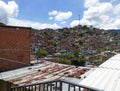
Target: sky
x,y
40,14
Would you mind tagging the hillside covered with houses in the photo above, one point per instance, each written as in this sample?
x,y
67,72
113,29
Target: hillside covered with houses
x,y
75,46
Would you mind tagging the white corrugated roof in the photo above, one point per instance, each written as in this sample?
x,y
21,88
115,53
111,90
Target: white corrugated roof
x,y
106,76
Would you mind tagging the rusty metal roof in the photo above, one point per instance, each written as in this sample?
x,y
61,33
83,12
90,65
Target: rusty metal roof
x,y
41,72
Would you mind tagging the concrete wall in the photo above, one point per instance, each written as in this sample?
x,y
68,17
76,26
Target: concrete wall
x,y
14,45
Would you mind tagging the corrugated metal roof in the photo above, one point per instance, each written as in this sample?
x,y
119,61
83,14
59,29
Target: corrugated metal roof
x,y
106,76
41,72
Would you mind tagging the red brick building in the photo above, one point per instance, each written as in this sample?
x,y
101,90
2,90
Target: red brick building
x,y
14,47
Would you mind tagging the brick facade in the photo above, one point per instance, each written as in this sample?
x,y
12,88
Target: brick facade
x,y
15,46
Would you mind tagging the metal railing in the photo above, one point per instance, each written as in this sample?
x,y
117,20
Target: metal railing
x,y
56,85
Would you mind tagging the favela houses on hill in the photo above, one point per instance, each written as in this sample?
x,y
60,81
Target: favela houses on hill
x,y
63,59
54,56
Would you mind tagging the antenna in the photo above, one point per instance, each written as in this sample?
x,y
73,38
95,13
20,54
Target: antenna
x,y
79,19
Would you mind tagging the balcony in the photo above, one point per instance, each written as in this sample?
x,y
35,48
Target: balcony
x,y
56,85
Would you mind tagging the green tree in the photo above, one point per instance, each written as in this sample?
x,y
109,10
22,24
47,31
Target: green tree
x,y
78,62
41,53
76,53
62,60
69,56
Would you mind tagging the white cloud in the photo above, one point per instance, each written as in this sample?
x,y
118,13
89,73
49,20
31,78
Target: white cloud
x,y
8,10
12,9
53,13
74,23
50,18
3,16
89,3
117,23
64,22
100,14
36,25
63,16
117,9
59,15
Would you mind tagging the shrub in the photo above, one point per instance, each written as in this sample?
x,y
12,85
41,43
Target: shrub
x,y
41,53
